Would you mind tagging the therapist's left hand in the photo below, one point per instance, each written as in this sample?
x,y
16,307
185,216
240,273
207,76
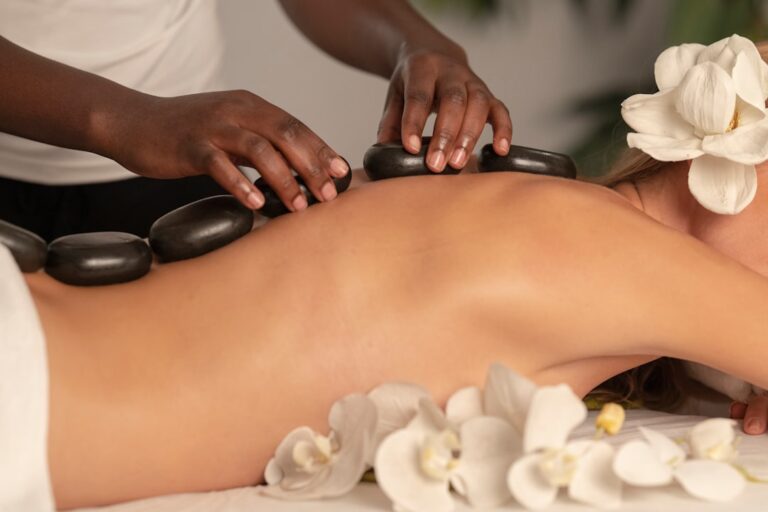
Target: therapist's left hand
x,y
426,81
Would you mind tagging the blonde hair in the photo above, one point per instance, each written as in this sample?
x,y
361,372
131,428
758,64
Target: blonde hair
x,y
662,384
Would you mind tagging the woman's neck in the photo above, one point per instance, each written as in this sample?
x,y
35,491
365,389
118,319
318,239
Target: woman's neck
x,y
666,198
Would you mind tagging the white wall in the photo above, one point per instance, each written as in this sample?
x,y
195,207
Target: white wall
x,y
537,61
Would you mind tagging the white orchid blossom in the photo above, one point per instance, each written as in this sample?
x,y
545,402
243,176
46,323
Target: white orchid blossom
x,y
708,475
416,466
551,462
396,405
710,109
308,465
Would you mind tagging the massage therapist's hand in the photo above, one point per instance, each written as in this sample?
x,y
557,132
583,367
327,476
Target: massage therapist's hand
x,y
210,133
427,81
754,413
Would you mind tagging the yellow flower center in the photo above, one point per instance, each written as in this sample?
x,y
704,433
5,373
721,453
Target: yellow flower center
x,y
611,419
734,121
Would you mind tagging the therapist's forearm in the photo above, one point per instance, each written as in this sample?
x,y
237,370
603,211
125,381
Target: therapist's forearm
x,y
368,34
50,102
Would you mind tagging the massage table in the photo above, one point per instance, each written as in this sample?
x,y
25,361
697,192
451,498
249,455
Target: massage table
x,y
368,498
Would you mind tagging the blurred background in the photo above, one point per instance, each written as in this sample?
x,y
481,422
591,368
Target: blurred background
x,y
561,66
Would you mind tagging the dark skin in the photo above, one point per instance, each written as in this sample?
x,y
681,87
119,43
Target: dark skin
x,y
211,133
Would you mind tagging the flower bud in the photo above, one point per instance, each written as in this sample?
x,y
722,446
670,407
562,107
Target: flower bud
x,y
611,418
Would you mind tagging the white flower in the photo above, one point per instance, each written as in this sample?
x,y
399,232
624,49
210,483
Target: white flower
x,y
710,108
308,465
396,405
584,467
658,460
417,465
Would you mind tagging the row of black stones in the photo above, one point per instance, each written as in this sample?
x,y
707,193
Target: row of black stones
x,y
95,259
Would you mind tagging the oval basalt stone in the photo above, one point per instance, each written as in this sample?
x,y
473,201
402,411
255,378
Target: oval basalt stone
x,y
28,249
98,259
385,161
529,160
274,207
199,228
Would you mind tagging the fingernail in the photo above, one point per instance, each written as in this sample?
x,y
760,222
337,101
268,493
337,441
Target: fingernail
x,y
437,161
415,142
504,146
254,201
754,426
299,203
457,159
339,167
328,191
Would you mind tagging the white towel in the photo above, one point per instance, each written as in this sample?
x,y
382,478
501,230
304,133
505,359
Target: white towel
x,y
24,480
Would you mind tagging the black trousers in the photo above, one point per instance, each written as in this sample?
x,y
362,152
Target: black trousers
x,y
130,206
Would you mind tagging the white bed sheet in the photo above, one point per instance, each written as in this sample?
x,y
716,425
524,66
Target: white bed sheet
x,y
368,498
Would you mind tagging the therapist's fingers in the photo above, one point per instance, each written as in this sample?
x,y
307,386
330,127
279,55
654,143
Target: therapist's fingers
x,y
452,104
756,416
418,95
478,107
389,126
501,122
218,166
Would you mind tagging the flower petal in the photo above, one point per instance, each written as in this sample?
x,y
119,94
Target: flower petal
x,y
636,463
465,404
713,439
396,404
555,411
673,63
667,451
507,395
665,149
710,480
722,186
400,477
594,481
748,82
706,98
291,475
655,114
429,419
720,52
746,144
272,473
489,446
527,484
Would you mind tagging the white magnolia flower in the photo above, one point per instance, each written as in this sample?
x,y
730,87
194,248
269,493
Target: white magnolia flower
x,y
710,108
551,462
658,460
416,466
308,465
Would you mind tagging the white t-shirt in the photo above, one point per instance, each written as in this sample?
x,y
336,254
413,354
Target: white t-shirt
x,y
161,47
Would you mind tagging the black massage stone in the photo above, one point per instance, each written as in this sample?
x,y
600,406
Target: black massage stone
x,y
274,207
384,161
28,249
97,259
521,159
198,228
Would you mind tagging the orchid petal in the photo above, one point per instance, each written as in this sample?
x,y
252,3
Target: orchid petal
x,y
489,446
667,451
655,114
272,473
465,404
706,98
710,480
429,419
722,186
673,63
748,82
636,463
528,485
594,481
400,477
713,439
554,412
291,475
665,149
747,144
507,395
397,404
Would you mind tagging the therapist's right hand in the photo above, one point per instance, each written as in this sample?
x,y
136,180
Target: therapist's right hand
x,y
211,133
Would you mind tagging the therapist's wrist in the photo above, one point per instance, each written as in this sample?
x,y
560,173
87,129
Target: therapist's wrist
x,y
110,120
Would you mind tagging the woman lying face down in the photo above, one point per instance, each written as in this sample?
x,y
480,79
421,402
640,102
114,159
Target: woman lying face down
x,y
187,379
